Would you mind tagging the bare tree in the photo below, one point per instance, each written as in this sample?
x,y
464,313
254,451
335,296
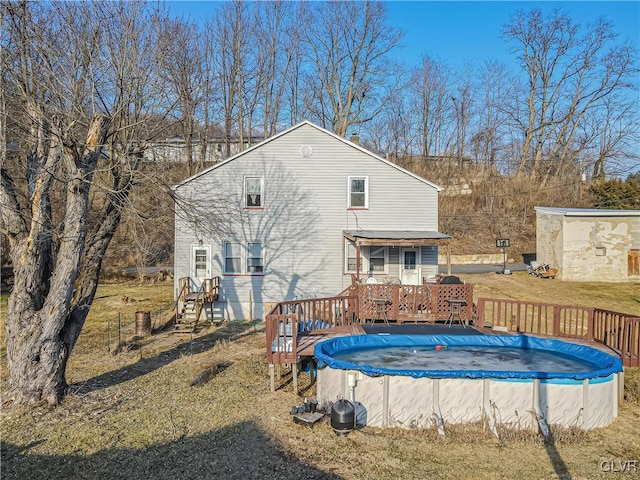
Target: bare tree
x,y
351,73
278,33
229,41
494,88
391,134
183,68
84,77
429,87
610,133
568,75
462,104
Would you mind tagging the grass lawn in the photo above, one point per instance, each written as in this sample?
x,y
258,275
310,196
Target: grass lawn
x,y
134,414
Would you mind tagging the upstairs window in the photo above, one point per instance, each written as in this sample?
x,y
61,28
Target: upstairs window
x,y
253,188
358,192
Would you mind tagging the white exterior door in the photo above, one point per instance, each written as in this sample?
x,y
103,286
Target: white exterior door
x,y
200,265
409,266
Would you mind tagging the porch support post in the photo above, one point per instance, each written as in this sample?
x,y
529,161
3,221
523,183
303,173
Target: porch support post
x,y
448,257
358,261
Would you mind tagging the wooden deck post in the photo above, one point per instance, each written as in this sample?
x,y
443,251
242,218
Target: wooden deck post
x,y
272,377
294,371
312,370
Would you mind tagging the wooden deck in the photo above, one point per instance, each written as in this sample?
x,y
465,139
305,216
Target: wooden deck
x,y
307,341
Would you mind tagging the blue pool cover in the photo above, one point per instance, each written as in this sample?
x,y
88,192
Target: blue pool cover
x,y
602,364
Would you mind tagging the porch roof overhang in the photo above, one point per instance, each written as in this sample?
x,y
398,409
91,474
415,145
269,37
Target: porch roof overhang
x,y
400,238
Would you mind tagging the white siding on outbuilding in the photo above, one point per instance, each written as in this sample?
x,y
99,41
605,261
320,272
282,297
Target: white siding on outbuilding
x,y
305,172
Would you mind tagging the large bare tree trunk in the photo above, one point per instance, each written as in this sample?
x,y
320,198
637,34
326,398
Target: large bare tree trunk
x,y
44,317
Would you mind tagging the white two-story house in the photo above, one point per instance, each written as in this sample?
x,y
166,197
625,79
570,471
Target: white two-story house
x,y
301,215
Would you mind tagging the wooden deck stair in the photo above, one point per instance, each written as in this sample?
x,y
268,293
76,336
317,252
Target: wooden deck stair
x,y
192,304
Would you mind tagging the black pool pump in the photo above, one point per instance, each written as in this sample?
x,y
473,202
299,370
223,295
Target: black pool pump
x,y
343,417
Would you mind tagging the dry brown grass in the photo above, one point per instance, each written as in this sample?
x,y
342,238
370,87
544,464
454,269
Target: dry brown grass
x,y
135,415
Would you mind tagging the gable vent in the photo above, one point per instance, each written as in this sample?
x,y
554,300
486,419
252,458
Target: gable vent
x,y
306,151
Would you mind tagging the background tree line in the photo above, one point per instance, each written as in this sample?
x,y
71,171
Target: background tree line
x,y
254,68
86,88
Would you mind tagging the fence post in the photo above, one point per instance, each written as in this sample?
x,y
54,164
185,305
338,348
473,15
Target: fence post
x,y
556,320
480,313
590,323
109,336
395,299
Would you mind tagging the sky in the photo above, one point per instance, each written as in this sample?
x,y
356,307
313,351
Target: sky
x,y
458,32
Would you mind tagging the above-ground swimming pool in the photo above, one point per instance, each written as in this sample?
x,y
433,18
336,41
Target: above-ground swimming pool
x,y
417,381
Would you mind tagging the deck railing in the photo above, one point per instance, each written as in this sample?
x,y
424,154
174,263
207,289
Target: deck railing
x,y
287,319
618,331
414,302
210,289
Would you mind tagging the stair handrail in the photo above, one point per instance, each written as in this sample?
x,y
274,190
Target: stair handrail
x,y
184,283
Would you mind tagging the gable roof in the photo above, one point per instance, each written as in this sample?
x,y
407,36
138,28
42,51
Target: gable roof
x,y
587,212
295,127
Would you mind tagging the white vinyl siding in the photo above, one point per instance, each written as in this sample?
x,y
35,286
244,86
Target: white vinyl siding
x,y
429,259
429,255
377,256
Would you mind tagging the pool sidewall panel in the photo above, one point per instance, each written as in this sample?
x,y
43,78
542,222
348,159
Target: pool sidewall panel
x,y
601,397
510,402
369,391
561,404
410,402
461,400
